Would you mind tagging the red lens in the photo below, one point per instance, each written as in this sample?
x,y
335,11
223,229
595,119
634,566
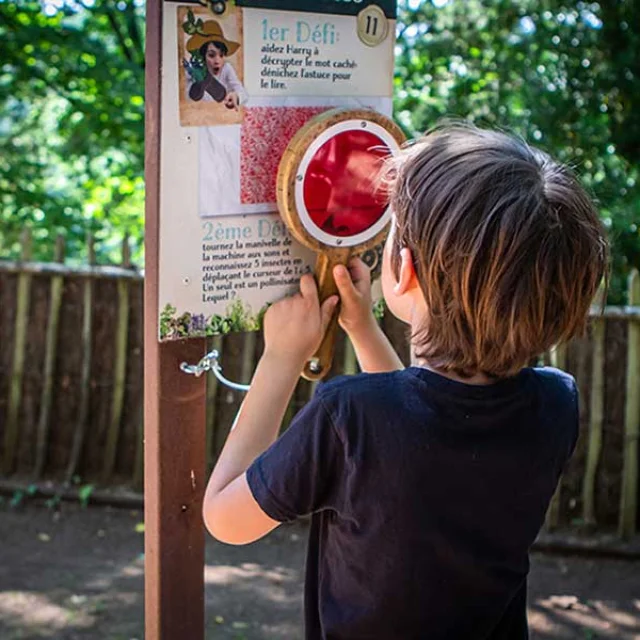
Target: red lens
x,y
339,187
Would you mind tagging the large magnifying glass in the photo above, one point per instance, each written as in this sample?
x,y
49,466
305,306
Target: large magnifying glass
x,y
329,198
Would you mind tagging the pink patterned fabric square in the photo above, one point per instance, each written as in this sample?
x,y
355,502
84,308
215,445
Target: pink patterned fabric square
x,y
264,135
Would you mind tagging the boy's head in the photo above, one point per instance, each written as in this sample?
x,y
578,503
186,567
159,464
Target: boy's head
x,y
500,246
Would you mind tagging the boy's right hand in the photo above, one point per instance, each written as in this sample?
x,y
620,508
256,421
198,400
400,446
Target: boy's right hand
x,y
354,287
294,326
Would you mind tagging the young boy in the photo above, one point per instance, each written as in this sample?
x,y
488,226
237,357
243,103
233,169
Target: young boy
x,y
427,485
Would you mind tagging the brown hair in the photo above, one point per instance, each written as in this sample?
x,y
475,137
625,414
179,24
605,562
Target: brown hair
x,y
508,248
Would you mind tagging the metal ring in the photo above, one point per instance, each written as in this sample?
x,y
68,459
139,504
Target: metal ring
x,y
211,362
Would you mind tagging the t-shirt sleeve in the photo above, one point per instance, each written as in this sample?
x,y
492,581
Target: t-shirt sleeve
x,y
567,399
562,402
300,473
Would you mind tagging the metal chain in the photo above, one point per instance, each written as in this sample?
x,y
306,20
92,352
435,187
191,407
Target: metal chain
x,y
211,362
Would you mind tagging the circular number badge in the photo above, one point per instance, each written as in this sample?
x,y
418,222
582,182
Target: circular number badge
x,y
373,25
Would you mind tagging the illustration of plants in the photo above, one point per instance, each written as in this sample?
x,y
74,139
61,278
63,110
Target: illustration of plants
x,y
237,318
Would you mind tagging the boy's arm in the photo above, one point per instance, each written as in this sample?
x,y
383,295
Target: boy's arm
x,y
293,329
373,349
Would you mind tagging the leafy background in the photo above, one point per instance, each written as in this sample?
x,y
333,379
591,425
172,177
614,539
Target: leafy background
x,y
562,74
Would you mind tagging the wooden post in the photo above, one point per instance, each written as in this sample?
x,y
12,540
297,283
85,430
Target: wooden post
x,y
119,367
174,489
596,419
174,419
85,372
558,358
55,302
629,494
17,373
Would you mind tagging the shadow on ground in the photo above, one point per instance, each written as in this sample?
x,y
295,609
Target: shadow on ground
x,y
78,575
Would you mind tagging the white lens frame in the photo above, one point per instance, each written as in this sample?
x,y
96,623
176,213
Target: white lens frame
x,y
312,229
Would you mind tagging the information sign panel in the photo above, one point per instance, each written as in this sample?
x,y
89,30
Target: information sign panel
x,y
239,80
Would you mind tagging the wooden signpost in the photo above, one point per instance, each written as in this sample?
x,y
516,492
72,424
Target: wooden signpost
x,y
174,421
228,85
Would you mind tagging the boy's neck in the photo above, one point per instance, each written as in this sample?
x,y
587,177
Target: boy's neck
x,y
476,379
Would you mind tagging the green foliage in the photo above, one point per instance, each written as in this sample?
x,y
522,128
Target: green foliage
x,y
237,319
85,491
20,495
379,307
84,494
562,74
166,319
196,67
53,502
72,129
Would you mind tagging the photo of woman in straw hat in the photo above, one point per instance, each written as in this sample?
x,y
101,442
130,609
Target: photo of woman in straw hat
x,y
210,77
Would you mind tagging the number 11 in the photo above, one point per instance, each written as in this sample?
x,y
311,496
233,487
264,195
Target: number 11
x,y
372,25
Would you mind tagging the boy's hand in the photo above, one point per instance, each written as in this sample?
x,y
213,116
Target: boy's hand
x,y
294,327
354,286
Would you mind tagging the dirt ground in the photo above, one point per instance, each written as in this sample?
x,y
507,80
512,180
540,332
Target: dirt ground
x,y
78,575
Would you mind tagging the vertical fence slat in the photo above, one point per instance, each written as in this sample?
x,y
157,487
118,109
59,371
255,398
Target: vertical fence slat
x,y
290,411
85,374
558,359
581,374
17,369
629,492
119,369
138,463
248,356
51,350
212,405
596,420
350,363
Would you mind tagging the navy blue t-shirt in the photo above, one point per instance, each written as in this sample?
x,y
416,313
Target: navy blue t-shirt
x,y
426,496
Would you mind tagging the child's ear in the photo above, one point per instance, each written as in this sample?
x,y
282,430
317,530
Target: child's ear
x,y
407,278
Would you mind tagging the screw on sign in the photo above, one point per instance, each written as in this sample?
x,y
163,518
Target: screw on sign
x,y
218,7
328,197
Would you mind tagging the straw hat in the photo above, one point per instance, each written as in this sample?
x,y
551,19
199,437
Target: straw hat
x,y
210,31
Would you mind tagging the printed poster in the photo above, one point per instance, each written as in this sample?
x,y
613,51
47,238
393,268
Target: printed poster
x,y
239,80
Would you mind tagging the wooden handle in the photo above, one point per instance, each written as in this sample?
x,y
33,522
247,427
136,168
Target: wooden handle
x,y
318,367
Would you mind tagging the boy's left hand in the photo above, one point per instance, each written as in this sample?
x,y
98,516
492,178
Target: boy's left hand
x,y
294,327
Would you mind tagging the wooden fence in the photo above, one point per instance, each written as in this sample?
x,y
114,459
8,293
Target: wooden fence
x,y
71,380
